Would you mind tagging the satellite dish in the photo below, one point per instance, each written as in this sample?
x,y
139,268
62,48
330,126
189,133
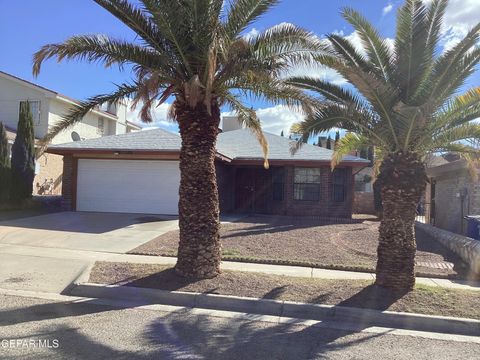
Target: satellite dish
x,y
75,136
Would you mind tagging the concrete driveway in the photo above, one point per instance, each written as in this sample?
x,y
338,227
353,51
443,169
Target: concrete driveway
x,y
48,252
103,232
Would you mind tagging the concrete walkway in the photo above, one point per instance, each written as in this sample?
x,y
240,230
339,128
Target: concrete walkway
x,y
298,271
80,259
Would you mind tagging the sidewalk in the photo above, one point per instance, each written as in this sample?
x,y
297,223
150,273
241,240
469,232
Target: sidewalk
x,y
297,271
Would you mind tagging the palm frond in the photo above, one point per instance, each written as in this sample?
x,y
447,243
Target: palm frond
x,y
135,19
101,48
410,40
455,134
378,51
459,110
328,90
435,16
248,117
381,96
330,116
455,59
344,49
347,144
173,20
458,74
287,43
275,91
243,13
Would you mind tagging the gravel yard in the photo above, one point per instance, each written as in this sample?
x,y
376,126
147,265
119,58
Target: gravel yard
x,y
354,293
302,241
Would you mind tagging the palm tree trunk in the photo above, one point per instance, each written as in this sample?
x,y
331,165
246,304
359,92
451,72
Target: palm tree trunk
x,y
199,247
403,180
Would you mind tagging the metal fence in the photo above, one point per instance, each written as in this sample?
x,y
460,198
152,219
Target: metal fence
x,y
424,213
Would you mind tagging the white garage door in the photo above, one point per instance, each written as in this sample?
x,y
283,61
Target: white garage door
x,y
128,186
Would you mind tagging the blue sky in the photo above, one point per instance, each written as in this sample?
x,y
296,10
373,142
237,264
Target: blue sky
x,y
27,25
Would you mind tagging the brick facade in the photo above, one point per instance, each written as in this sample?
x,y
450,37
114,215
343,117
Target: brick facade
x,y
363,203
68,182
324,207
51,167
225,181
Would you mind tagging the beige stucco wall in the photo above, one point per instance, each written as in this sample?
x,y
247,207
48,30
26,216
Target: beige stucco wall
x,y
87,128
11,93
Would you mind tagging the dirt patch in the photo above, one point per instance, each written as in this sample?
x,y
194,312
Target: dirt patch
x,y
303,241
355,293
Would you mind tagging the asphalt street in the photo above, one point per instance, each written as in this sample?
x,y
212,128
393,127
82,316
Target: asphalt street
x,y
33,328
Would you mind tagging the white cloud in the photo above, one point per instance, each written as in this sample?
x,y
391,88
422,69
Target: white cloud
x,y
275,119
318,72
355,39
159,115
460,17
253,32
387,9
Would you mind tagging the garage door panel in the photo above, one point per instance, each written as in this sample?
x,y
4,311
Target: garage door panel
x,y
137,186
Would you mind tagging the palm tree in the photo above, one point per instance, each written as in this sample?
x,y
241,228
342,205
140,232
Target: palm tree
x,y
406,103
194,52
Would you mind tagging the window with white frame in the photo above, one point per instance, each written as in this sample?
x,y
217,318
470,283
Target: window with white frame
x,y
306,184
34,109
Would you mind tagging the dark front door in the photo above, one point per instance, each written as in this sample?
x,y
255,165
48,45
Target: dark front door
x,y
252,189
245,190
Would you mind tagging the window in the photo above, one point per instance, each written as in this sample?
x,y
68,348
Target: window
x,y
101,126
339,185
306,184
278,181
34,109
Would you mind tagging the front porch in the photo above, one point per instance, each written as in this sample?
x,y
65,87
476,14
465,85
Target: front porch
x,y
285,190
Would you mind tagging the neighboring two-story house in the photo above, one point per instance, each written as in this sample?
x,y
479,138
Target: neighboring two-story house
x,y
47,107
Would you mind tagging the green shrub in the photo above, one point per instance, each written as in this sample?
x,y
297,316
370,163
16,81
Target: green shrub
x,y
23,156
4,166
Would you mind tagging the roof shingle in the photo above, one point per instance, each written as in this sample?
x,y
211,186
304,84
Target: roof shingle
x,y
236,145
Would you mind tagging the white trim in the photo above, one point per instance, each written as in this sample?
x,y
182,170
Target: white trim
x,y
96,112
48,93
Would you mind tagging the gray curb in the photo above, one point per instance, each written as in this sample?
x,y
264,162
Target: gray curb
x,y
362,317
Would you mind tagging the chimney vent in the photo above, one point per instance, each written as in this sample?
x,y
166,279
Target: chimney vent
x,y
230,123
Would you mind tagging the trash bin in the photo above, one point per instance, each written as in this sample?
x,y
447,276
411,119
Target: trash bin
x,y
473,226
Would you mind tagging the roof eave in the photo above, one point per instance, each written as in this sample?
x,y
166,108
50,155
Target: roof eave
x,y
69,151
71,101
310,162
133,125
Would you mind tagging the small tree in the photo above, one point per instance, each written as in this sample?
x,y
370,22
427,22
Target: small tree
x,y
329,143
23,156
337,137
4,165
281,134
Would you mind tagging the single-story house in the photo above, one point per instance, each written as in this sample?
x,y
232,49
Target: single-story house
x,y
139,173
